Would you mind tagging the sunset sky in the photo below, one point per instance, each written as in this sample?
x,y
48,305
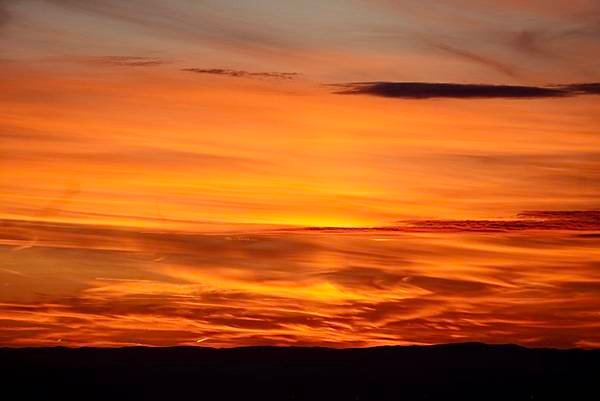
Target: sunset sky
x,y
336,173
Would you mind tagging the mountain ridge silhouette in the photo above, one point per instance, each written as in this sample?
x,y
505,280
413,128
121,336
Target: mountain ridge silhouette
x,y
455,371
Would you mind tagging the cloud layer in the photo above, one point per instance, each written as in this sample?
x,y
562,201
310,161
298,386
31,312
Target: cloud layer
x,y
143,204
97,285
569,220
426,90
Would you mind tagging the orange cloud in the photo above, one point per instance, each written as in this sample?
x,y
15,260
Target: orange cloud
x,y
114,286
143,204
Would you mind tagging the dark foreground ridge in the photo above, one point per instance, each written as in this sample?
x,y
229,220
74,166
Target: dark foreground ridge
x,y
469,371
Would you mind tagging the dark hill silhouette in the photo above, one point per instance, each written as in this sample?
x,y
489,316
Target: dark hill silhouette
x,y
469,371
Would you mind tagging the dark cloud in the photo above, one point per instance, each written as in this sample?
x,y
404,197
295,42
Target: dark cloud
x,y
428,90
530,223
581,215
568,220
584,88
243,74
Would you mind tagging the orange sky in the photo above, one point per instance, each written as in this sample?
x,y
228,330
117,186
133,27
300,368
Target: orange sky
x,y
167,172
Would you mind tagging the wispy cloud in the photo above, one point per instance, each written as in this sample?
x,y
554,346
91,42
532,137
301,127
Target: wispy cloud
x,y
243,74
584,88
562,220
530,42
561,215
471,56
428,90
196,23
123,61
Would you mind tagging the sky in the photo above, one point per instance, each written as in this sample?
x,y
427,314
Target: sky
x,y
342,173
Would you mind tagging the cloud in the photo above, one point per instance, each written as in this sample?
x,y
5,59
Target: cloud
x,y
582,287
382,279
364,277
242,73
123,61
563,220
428,90
584,89
564,31
196,23
477,58
534,42
99,285
588,223
576,215
141,156
448,286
